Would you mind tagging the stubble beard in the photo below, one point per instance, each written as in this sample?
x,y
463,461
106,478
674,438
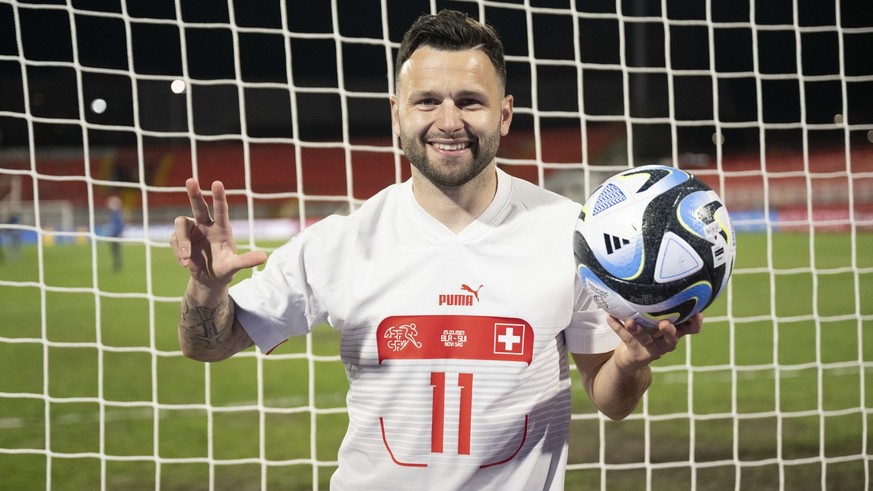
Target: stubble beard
x,y
453,174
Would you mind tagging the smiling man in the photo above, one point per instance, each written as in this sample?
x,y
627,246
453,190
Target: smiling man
x,y
449,113
450,387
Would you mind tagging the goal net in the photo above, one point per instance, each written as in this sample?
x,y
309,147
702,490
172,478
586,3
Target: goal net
x,y
771,103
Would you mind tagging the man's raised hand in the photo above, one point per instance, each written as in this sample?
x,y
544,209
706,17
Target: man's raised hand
x,y
204,244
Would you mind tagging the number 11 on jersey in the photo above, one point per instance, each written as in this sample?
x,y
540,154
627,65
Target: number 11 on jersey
x,y
465,383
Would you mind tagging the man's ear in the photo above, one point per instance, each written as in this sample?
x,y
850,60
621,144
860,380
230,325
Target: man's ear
x,y
395,116
506,114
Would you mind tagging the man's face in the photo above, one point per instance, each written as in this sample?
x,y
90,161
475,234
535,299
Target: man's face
x,y
449,113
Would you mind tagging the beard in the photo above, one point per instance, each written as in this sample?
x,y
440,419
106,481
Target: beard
x,y
451,172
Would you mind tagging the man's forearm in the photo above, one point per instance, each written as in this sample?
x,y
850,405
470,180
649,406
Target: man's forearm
x,y
617,393
209,331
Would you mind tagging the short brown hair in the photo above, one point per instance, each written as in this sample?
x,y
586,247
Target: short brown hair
x,y
450,30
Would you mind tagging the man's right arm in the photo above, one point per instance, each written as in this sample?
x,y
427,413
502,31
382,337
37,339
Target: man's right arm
x,y
208,328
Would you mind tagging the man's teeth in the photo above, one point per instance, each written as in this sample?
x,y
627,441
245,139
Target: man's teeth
x,y
450,146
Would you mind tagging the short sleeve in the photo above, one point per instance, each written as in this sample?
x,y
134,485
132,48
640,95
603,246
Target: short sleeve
x,y
277,302
588,331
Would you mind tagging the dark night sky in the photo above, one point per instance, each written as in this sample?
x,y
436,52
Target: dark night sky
x,y
156,46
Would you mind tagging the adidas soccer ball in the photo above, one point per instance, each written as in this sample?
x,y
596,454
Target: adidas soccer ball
x,y
652,243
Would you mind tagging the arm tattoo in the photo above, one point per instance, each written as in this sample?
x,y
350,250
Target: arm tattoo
x,y
206,328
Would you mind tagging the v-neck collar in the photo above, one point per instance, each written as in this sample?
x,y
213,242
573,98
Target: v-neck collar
x,y
486,220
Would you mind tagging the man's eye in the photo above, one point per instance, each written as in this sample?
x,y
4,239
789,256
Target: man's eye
x,y
469,103
427,102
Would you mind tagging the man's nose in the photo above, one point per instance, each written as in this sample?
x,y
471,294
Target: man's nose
x,y
449,117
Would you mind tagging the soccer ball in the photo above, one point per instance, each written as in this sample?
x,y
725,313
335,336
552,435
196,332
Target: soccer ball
x,y
652,243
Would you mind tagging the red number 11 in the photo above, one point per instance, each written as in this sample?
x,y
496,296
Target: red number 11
x,y
465,382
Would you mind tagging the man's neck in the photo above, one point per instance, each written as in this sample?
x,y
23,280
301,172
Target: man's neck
x,y
456,207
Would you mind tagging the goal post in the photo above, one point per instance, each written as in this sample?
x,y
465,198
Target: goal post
x,y
288,104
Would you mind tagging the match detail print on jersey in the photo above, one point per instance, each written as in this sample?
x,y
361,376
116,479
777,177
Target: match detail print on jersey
x,y
465,337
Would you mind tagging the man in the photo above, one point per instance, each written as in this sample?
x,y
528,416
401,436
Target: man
x,y
115,229
455,293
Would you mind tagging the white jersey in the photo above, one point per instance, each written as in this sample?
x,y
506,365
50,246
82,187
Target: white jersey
x,y
455,346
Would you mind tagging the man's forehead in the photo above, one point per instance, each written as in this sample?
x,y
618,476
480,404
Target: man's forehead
x,y
427,62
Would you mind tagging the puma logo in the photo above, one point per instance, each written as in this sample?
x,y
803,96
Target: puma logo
x,y
475,292
461,299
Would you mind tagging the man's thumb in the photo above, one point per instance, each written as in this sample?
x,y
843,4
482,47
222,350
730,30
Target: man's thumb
x,y
251,259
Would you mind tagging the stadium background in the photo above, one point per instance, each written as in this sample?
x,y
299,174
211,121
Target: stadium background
x,y
210,55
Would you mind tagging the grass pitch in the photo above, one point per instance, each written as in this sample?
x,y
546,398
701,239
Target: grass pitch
x,y
94,390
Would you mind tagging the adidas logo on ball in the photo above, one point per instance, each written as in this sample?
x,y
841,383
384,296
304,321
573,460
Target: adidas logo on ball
x,y
614,243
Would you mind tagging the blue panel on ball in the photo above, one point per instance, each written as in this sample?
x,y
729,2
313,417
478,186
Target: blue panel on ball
x,y
610,196
626,263
688,215
684,304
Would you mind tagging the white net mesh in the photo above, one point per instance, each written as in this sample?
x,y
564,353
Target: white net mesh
x,y
287,103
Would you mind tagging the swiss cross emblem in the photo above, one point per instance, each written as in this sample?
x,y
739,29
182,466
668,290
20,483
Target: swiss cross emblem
x,y
509,339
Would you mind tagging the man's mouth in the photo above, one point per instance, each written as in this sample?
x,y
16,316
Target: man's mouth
x,y
451,147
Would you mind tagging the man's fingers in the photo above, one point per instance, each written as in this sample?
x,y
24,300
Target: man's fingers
x,y
691,326
181,239
621,329
174,244
664,336
198,203
219,204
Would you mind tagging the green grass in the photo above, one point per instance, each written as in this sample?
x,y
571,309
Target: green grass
x,y
93,388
